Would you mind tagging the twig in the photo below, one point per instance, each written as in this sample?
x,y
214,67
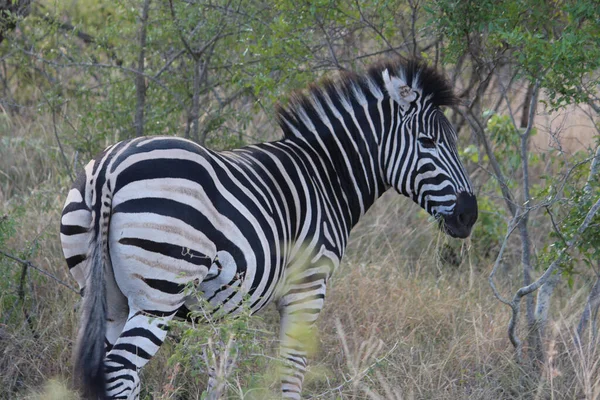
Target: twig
x,y
509,230
134,71
62,151
30,265
366,21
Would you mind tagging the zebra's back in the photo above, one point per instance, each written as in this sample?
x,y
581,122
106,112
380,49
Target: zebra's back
x,y
181,213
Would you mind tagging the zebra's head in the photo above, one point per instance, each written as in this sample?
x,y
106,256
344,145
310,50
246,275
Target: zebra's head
x,y
419,152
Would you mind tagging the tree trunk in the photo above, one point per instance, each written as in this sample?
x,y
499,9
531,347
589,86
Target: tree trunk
x,y
590,312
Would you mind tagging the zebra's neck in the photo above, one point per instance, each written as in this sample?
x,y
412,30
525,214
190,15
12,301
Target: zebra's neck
x,y
344,142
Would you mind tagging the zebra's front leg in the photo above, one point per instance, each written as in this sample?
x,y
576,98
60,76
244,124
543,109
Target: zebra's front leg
x,y
298,310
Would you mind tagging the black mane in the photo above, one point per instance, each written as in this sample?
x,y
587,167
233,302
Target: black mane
x,y
433,85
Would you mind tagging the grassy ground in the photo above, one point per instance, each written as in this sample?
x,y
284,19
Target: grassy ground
x,y
403,319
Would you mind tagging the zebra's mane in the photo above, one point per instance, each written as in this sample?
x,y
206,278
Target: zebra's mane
x,y
432,84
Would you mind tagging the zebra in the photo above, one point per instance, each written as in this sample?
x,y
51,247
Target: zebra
x,y
266,223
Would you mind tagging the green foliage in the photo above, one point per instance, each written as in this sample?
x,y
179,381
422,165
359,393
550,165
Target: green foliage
x,y
556,42
489,230
7,229
215,337
506,140
571,199
11,279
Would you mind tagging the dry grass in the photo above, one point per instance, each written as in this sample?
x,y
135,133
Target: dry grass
x,y
400,322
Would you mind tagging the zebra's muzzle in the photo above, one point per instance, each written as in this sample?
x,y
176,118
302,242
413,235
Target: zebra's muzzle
x,y
461,221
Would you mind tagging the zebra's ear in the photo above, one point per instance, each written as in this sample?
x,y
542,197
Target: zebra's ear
x,y
398,89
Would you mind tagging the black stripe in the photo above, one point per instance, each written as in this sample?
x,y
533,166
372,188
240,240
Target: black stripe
x,y
116,396
160,313
142,332
306,299
70,230
164,286
108,389
133,349
74,206
169,250
74,260
310,278
196,220
121,362
306,311
120,377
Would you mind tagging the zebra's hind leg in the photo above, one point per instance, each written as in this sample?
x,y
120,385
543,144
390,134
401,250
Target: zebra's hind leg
x,y
117,311
140,339
114,326
298,310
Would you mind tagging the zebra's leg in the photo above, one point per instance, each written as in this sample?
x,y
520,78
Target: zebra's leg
x,y
298,310
117,310
140,339
114,326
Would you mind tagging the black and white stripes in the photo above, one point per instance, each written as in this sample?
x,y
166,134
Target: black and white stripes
x,y
267,222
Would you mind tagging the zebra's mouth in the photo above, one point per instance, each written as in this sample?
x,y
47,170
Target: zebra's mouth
x,y
461,221
449,230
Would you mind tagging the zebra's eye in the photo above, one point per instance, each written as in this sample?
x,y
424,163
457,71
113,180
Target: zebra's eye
x,y
427,142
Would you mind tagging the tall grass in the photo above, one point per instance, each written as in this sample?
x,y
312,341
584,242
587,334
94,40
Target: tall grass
x,y
401,321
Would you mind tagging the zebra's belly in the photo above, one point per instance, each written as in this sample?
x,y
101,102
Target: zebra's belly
x,y
223,290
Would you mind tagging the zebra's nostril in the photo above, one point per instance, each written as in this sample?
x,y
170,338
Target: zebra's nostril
x,y
466,210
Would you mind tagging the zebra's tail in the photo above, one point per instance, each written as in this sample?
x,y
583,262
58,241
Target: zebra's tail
x,y
90,349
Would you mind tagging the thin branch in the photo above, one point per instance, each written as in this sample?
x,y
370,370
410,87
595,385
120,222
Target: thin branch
x,y
509,230
62,151
101,65
556,230
329,44
366,21
587,189
168,63
525,290
84,36
414,6
30,265
196,54
480,131
60,147
525,140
